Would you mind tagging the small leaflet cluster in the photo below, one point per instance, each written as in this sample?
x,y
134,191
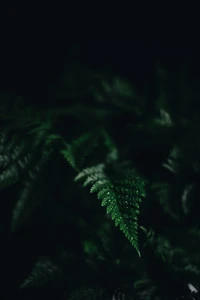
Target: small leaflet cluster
x,y
76,152
44,272
28,200
17,161
87,293
13,158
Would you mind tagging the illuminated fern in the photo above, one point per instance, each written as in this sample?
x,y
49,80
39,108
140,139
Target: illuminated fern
x,y
121,196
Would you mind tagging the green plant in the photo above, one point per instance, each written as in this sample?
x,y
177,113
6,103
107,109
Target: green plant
x,y
143,172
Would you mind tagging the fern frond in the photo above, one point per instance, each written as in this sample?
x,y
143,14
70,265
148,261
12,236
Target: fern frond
x,y
119,295
44,272
9,176
173,162
85,293
146,289
148,294
76,151
28,200
176,257
166,198
3,138
12,158
43,126
113,154
186,198
120,94
121,197
12,153
68,155
43,131
51,138
192,269
164,120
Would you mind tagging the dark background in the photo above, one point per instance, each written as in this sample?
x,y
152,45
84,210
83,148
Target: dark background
x,y
29,64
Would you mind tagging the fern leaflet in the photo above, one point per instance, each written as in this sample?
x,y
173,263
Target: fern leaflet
x,y
121,197
28,200
85,293
44,271
76,152
12,158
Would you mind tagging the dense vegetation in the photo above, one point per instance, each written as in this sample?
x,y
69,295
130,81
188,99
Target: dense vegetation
x,y
101,139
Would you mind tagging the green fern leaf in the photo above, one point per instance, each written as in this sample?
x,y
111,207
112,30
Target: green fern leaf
x,y
121,197
68,155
